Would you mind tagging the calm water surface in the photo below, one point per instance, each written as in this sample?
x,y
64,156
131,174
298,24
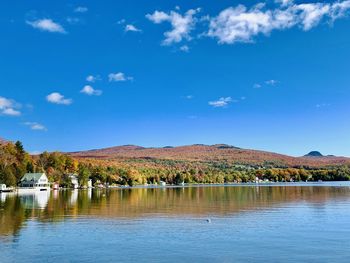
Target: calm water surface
x,y
274,223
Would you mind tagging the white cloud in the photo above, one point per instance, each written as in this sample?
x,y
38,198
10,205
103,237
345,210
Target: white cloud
x,y
284,2
237,24
11,112
88,90
131,28
185,48
128,27
311,14
271,82
47,25
339,9
57,98
81,9
5,103
92,78
182,25
240,24
36,126
257,86
9,107
222,102
189,97
121,21
117,77
158,17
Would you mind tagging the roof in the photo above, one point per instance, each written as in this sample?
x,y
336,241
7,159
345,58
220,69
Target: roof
x,y
32,176
73,176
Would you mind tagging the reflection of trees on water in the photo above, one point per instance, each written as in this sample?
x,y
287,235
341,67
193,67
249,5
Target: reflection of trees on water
x,y
56,206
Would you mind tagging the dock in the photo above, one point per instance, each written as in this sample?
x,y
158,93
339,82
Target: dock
x,y
4,189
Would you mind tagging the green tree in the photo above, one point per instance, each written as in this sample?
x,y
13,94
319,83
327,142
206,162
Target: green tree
x,y
83,174
179,178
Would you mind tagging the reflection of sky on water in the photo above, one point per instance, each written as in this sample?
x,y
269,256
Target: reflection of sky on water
x,y
141,203
247,224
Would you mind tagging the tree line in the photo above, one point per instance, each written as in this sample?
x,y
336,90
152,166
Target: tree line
x,y
15,162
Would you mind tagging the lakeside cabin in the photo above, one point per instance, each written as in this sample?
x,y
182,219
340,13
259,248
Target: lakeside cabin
x,y
89,183
74,180
34,182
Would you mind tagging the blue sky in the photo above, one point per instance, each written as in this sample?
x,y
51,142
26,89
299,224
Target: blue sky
x,y
269,75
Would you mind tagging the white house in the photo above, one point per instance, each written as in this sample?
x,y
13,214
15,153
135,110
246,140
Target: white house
x,y
89,183
74,180
2,187
34,181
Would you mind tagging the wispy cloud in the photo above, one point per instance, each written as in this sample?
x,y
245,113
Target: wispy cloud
x,y
322,105
11,112
240,24
9,107
73,20
35,126
118,77
131,28
92,78
185,48
181,25
221,102
128,27
47,25
5,103
81,9
121,21
89,90
243,24
271,82
58,98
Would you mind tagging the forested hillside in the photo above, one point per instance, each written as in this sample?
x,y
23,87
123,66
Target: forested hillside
x,y
132,165
210,153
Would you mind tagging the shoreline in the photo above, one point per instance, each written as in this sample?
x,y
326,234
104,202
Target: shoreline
x,y
324,183
262,184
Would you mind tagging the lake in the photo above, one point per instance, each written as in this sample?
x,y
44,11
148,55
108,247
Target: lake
x,y
307,222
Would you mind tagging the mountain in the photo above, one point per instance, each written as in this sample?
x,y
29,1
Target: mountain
x,y
218,153
3,141
315,154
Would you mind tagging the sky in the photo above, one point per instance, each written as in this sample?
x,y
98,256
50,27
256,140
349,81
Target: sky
x,y
267,75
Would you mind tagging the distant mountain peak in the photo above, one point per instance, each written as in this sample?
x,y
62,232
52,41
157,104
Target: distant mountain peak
x,y
314,154
3,141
